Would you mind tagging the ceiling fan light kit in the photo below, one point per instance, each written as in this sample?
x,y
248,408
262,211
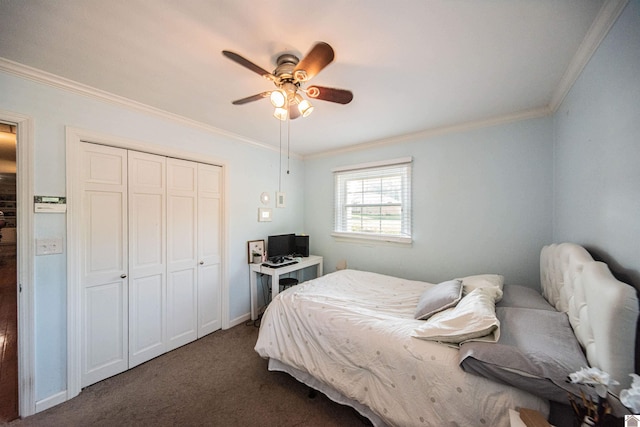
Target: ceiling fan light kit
x,y
278,98
289,75
305,107
280,113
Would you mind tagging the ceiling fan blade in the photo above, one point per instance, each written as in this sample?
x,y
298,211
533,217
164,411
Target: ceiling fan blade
x,y
246,63
318,57
340,96
251,98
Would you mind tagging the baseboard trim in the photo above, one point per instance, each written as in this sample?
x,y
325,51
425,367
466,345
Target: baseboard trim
x,y
51,401
239,320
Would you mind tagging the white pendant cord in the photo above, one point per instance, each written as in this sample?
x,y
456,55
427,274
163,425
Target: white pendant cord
x,y
288,137
280,159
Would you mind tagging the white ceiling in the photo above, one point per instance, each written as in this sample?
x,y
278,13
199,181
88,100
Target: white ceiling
x,y
413,65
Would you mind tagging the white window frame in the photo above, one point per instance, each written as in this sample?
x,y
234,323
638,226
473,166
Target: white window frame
x,y
381,168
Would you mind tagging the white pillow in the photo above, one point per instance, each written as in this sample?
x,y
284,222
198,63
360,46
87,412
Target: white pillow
x,y
473,319
493,282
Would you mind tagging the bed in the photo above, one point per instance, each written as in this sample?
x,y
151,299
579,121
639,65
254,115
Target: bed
x,y
354,336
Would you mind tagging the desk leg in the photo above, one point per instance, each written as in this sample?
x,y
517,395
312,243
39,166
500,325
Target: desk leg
x,y
254,302
275,285
319,269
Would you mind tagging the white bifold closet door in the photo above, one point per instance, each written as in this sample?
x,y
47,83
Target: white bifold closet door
x,y
104,269
147,256
193,251
182,252
209,249
151,277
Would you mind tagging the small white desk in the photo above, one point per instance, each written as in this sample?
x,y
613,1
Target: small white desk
x,y
256,270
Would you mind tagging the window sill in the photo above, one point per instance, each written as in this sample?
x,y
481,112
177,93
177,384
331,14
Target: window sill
x,y
361,237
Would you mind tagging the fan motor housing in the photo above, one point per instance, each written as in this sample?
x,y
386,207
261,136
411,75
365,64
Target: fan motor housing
x,y
286,63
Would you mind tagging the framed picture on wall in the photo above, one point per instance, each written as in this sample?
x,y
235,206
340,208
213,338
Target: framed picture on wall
x,y
255,251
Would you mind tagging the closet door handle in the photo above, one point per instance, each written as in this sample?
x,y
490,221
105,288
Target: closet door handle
x,y
201,262
123,276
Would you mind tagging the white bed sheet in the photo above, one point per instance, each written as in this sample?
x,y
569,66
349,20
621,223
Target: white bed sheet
x,y
352,330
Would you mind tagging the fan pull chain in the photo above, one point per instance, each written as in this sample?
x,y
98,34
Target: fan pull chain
x,y
280,158
288,137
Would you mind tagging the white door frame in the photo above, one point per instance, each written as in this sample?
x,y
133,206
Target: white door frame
x,y
74,137
25,254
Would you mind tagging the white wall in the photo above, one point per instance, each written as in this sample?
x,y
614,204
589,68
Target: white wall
x,y
481,204
597,153
251,170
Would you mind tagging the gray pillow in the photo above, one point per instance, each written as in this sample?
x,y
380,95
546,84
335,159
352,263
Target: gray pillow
x,y
437,298
523,297
536,352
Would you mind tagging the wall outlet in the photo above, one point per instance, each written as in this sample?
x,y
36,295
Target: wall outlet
x,y
48,246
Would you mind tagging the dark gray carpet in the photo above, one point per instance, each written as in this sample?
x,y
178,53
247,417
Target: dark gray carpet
x,y
218,380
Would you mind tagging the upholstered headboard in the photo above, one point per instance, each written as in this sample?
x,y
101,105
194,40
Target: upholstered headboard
x,y
602,310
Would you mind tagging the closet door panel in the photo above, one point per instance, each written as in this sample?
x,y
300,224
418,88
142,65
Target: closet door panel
x,y
209,249
182,262
182,210
182,310
103,242
105,338
146,334
103,277
209,304
147,224
147,261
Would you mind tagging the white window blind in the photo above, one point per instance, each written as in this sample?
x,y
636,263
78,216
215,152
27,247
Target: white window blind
x,y
374,201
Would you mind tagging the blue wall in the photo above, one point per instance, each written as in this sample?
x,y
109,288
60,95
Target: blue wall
x,y
597,153
481,204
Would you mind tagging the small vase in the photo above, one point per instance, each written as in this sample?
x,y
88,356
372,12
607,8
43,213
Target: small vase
x,y
257,259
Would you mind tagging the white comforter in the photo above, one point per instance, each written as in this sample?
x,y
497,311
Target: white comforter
x,y
352,331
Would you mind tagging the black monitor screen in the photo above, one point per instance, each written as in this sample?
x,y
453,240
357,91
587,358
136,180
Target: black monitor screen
x,y
281,245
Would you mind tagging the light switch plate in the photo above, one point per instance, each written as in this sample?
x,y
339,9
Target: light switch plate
x,y
264,214
48,246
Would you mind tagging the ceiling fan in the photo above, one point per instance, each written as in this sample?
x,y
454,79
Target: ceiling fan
x,y
288,77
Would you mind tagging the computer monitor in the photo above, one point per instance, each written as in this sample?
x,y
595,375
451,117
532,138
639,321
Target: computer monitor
x,y
281,245
302,245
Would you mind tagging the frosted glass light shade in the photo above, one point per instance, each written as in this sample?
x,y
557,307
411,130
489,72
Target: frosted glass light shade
x,y
280,113
278,98
305,108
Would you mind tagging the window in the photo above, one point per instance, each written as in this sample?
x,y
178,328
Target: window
x,y
373,201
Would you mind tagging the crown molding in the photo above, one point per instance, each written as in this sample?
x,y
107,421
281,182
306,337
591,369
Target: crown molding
x,y
600,27
533,113
53,80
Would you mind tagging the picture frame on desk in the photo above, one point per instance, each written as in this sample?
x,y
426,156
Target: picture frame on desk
x,y
255,248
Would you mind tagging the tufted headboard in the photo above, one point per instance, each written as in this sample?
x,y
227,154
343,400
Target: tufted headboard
x,y
602,310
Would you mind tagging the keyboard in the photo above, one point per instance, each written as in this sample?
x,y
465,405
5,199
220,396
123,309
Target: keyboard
x,y
272,264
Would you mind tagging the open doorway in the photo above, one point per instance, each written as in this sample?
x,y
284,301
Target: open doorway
x,y
8,275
